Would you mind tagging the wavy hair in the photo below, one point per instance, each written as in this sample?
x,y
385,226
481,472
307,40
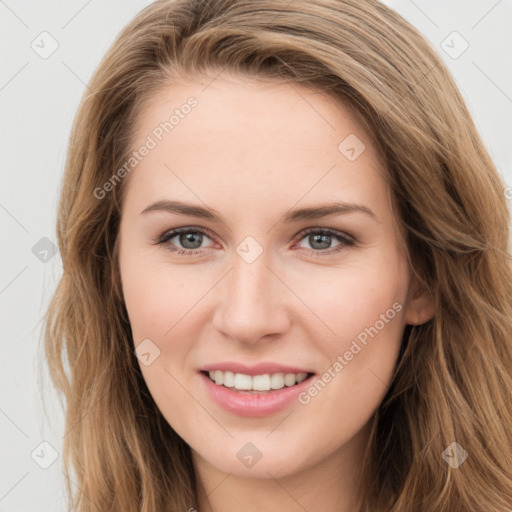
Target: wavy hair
x,y
453,378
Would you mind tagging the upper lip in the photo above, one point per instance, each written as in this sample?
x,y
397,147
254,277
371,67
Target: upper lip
x,y
256,369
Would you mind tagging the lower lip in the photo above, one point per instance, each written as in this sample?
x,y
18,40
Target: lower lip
x,y
253,405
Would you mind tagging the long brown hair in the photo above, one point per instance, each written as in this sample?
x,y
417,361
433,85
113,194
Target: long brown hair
x,y
453,380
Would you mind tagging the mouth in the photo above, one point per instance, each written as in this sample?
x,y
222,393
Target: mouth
x,y
256,384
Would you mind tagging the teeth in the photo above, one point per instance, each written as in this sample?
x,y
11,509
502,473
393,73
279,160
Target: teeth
x,y
289,379
229,378
242,381
261,382
264,382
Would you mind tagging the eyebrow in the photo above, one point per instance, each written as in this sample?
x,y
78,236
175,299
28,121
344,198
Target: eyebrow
x,y
311,213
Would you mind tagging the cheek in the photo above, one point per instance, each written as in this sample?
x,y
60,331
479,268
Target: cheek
x,y
164,306
363,308
157,296
160,305
354,298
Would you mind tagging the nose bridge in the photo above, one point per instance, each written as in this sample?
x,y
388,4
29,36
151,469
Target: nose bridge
x,y
251,303
250,281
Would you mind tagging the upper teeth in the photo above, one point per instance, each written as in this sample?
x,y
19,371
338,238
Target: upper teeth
x,y
264,382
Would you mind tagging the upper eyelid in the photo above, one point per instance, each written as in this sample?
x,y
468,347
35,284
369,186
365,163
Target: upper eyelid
x,y
171,233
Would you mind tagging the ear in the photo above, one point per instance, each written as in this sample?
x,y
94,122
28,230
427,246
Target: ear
x,y
420,306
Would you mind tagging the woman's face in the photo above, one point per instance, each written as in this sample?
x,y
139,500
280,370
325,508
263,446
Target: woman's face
x,y
288,263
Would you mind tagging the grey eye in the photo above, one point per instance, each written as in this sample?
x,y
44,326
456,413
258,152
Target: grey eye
x,y
319,241
191,239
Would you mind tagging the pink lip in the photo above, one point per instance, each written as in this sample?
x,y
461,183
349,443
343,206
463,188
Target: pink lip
x,y
257,369
253,405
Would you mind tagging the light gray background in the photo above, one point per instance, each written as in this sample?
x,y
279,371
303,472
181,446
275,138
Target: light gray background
x,y
39,97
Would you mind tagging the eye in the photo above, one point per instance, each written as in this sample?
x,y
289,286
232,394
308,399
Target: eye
x,y
320,240
190,238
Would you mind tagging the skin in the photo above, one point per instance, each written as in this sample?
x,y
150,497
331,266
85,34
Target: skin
x,y
252,150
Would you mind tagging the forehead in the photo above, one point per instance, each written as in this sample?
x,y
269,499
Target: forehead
x,y
253,140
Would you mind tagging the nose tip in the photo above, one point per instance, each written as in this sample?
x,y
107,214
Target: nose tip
x,y
250,303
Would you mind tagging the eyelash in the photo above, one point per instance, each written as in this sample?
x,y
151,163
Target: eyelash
x,y
345,240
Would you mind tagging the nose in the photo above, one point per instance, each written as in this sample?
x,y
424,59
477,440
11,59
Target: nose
x,y
251,302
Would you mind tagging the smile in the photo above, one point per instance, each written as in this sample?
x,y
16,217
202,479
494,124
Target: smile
x,y
244,398
255,383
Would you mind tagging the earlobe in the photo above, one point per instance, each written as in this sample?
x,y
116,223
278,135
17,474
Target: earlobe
x,y
421,306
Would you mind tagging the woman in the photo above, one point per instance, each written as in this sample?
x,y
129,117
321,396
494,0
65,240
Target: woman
x,y
286,279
